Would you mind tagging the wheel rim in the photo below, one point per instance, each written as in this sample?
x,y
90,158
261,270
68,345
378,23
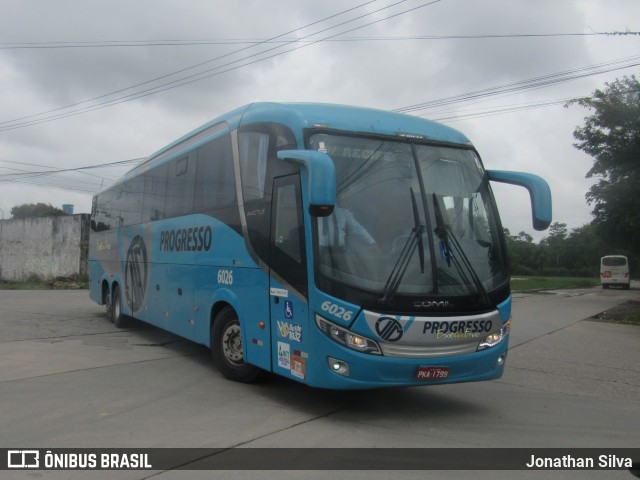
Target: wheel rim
x,y
232,344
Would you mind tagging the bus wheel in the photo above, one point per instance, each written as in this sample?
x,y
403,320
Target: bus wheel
x,y
106,296
226,348
118,318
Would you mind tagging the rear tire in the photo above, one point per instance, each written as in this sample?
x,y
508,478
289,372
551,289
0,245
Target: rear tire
x,y
227,351
118,318
107,302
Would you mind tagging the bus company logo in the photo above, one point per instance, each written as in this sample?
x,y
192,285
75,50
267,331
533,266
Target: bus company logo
x,y
192,239
389,329
135,278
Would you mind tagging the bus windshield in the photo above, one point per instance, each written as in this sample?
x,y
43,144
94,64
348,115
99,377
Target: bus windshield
x,y
410,219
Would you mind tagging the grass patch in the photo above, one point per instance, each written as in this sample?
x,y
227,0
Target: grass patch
x,y
627,313
24,286
60,283
528,284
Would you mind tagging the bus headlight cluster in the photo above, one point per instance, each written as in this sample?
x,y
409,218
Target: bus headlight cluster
x,y
348,339
495,338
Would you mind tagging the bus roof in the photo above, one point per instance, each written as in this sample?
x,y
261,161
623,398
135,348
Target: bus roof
x,y
300,116
355,119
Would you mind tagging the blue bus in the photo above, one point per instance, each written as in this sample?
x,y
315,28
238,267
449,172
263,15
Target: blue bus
x,y
337,246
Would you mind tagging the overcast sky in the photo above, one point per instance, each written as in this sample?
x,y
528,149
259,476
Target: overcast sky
x,y
71,63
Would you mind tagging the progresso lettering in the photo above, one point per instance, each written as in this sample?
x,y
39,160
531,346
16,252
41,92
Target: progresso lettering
x,y
468,326
194,239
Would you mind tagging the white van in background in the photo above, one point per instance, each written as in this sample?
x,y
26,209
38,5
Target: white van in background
x,y
614,270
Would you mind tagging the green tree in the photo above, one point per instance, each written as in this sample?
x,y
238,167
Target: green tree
x,y
611,135
524,255
29,210
554,244
582,252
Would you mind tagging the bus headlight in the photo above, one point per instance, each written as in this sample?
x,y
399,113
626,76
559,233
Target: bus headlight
x,y
495,338
348,339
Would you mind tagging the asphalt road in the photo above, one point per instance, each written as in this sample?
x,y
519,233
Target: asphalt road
x,y
69,378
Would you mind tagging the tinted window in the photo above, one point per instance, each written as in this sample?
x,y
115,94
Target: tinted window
x,y
254,148
614,261
181,178
288,258
132,194
155,189
258,145
288,225
215,184
100,220
118,205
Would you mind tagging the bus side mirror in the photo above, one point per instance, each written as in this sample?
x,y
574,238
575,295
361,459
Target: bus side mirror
x,y
539,192
321,178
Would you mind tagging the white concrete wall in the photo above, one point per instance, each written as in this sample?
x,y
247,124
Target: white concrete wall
x,y
43,248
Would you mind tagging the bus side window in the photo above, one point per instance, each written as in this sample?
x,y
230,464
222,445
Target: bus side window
x,y
215,184
254,148
180,185
288,257
155,189
287,223
100,219
258,144
132,193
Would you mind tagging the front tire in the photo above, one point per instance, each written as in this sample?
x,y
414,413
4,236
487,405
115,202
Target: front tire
x,y
227,350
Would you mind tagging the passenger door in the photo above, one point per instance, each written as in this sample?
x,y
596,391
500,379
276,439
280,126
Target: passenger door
x,y
288,279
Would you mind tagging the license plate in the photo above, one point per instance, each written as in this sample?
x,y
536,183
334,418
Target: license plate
x,y
432,373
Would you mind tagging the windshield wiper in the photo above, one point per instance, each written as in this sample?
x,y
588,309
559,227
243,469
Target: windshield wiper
x,y
444,233
419,229
441,231
414,241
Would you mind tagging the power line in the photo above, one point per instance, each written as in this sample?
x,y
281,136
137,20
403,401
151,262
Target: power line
x,y
55,179
115,92
24,174
253,42
75,187
78,169
497,110
82,170
198,76
529,84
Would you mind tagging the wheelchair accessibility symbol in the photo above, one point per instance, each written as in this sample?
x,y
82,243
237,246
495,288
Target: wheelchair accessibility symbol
x,y
288,309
